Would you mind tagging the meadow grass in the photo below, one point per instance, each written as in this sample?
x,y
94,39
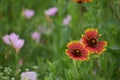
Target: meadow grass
x,y
48,58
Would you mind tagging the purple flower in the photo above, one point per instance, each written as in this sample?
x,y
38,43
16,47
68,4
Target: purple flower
x,y
28,13
13,39
67,20
36,36
51,12
29,76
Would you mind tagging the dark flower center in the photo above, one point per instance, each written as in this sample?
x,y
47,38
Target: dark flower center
x,y
77,53
92,42
79,1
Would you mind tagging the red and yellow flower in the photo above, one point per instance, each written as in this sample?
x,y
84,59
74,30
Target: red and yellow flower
x,y
82,1
91,43
77,51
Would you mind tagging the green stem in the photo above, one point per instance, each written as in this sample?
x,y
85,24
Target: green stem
x,y
75,70
97,65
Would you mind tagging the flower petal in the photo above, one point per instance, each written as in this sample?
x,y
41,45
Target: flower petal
x,y
91,42
51,12
77,51
36,36
6,39
13,37
29,76
18,44
67,20
28,13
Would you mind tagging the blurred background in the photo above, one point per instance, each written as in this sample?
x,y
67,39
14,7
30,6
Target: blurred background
x,y
46,26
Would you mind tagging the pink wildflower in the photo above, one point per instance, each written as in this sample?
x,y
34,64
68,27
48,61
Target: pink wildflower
x,y
67,20
51,12
6,39
36,36
28,13
13,39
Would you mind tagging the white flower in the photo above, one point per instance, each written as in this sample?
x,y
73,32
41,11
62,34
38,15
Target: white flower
x,y
29,76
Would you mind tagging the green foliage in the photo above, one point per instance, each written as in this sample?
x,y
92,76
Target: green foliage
x,y
48,57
